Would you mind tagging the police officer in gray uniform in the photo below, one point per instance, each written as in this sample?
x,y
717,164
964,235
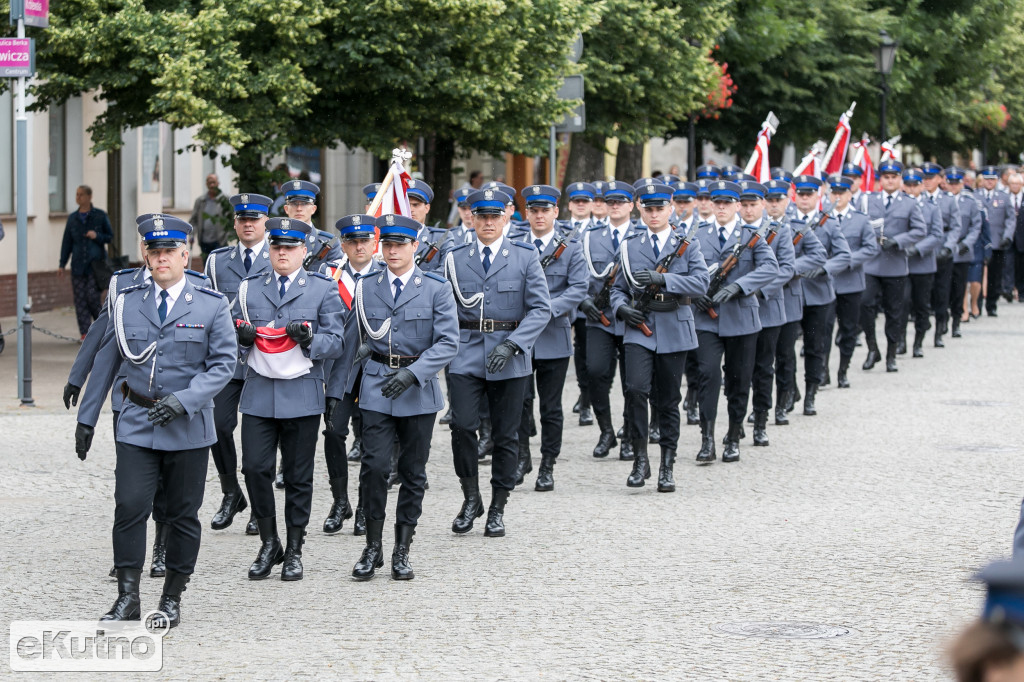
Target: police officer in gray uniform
x,y
949,209
567,279
922,265
652,293
1002,221
177,341
227,267
963,240
409,330
283,395
503,307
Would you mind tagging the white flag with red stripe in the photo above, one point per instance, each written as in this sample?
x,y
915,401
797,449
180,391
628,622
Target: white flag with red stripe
x,y
835,157
759,166
276,356
809,164
396,198
889,150
862,159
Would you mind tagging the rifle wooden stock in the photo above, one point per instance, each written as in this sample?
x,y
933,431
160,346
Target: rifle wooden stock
x,y
427,255
603,296
554,255
314,257
652,289
723,271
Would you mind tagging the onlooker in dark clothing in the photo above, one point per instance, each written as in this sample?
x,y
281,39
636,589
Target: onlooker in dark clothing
x,y
211,213
85,236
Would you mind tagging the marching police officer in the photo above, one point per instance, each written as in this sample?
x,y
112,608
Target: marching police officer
x,y
732,332
921,263
950,211
503,307
965,240
177,341
226,268
567,280
291,322
583,199
359,243
1002,222
409,330
660,270
300,200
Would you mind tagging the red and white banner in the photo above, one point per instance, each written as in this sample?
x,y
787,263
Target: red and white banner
x,y
759,166
835,157
346,285
809,165
396,199
276,356
862,158
889,150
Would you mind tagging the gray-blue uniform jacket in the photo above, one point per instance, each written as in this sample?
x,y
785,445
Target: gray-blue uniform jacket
x,y
423,322
341,376
969,230
88,354
567,280
600,256
439,236
313,298
809,253
756,268
821,290
929,246
772,303
863,247
949,209
687,277
1001,219
514,289
225,268
191,354
904,223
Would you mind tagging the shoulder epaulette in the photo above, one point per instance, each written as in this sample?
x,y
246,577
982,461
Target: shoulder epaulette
x,y
460,246
256,276
594,227
320,275
196,274
134,287
432,275
125,271
631,235
211,292
525,245
223,249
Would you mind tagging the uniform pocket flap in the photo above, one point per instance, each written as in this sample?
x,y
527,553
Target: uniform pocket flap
x,y
136,332
189,334
417,313
509,285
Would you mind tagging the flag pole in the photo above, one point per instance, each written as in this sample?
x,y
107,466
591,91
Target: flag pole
x,y
397,156
771,123
835,138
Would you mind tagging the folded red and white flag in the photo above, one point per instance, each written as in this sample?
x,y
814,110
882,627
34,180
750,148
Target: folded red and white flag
x,y
276,356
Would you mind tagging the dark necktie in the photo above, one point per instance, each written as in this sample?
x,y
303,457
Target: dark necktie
x,y
248,259
398,288
283,279
615,240
576,225
487,258
539,244
931,199
888,201
654,245
162,308
721,237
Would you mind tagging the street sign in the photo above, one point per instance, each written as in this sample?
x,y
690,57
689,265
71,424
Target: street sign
x,y
576,120
17,57
572,88
37,13
576,51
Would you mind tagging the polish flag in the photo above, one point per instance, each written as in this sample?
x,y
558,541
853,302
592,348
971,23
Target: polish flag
x,y
889,150
396,198
862,159
835,157
346,285
759,165
276,356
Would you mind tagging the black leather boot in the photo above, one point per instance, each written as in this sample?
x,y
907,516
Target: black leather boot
x,y
271,553
524,464
626,453
606,441
373,554
654,430
485,442
355,453
732,444
279,480
761,427
844,366
873,355
811,390
666,483
641,465
890,360
472,506
158,567
794,398
956,334
901,347
446,418
707,443
918,351
127,606
292,568
250,527
232,502
781,418
586,415
170,601
340,509
495,527
691,406
545,475
939,343
359,525
400,568
576,405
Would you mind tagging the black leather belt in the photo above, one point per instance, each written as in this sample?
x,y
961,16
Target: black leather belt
x,y
488,326
132,396
666,303
394,361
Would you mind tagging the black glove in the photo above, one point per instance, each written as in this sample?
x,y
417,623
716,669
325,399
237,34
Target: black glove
x,y
647,277
945,254
71,393
362,353
703,303
300,332
166,410
83,440
812,273
890,245
630,315
590,309
246,333
1004,244
400,382
962,249
912,252
499,357
332,406
726,293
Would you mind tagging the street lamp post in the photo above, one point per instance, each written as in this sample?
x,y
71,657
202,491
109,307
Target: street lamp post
x,y
885,55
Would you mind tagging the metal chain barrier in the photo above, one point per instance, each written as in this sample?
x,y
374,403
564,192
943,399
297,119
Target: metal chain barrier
x,y
37,328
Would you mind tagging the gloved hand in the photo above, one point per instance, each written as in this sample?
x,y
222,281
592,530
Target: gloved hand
x,y
332,406
962,249
246,333
399,382
166,410
300,332
945,254
912,252
1005,244
727,293
499,357
703,303
71,393
83,440
647,277
590,309
362,353
630,315
812,273
890,245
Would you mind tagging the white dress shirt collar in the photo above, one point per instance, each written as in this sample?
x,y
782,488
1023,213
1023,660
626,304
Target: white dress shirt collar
x,y
493,247
730,227
256,250
545,240
173,292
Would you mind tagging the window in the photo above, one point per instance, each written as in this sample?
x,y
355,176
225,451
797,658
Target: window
x,y
6,153
58,158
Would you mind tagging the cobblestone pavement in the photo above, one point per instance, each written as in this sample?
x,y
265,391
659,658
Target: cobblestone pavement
x,y
870,516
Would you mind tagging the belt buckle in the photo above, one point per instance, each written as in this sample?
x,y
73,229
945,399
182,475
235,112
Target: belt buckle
x,y
487,326
659,297
394,361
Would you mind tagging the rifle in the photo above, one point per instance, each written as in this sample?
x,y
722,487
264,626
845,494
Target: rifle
x,y
603,298
798,235
643,303
313,257
432,249
773,230
722,270
560,245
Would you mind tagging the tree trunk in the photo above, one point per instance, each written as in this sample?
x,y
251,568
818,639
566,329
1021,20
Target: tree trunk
x,y
438,174
586,159
629,164
252,176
